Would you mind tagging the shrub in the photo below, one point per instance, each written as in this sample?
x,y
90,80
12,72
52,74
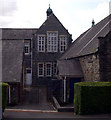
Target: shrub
x,y
3,94
92,97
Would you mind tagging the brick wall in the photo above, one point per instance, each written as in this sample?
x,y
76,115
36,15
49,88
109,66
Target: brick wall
x,y
90,67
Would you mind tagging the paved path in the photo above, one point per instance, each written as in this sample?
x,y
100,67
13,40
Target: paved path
x,y
52,114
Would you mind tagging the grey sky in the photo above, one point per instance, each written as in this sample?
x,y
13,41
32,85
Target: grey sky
x,y
75,15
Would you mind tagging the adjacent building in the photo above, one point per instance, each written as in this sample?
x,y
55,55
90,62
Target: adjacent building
x,y
89,53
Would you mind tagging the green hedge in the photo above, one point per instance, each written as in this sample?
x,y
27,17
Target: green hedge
x,y
3,94
92,98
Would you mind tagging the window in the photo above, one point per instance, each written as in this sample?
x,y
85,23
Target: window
x,y
28,70
27,48
41,43
52,41
48,69
63,43
54,69
40,69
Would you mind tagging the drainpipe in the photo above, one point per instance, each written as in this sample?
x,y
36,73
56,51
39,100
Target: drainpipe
x,y
31,59
65,89
23,77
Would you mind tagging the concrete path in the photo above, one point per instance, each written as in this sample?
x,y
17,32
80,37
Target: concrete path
x,y
52,114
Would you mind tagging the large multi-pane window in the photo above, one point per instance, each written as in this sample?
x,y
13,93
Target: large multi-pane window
x,y
40,69
52,41
48,69
41,43
26,48
63,43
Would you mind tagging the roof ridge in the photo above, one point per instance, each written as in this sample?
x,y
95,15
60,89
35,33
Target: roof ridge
x,y
52,14
94,37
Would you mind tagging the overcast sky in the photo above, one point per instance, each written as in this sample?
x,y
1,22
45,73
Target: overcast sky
x,y
75,15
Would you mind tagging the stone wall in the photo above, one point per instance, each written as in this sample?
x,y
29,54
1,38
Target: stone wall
x,y
105,57
90,67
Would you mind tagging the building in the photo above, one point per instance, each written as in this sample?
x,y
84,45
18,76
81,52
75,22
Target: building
x,y
30,58
48,44
91,51
12,60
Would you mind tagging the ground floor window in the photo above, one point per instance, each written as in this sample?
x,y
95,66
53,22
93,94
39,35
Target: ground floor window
x,y
40,69
48,69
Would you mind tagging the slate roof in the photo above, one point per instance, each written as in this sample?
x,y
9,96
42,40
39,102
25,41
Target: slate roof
x,y
52,24
88,43
70,68
17,33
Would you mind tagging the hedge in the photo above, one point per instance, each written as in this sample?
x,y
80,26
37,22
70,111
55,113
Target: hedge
x,y
92,98
4,94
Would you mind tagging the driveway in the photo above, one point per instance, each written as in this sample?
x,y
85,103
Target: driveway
x,y
34,99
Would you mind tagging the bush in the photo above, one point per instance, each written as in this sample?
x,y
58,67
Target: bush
x,y
92,97
3,94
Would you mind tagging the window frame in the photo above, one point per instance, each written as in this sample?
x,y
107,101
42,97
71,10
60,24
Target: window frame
x,y
50,69
27,44
52,45
62,45
39,70
41,43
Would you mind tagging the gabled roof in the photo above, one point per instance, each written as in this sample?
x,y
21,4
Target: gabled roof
x,y
17,33
52,24
87,43
70,68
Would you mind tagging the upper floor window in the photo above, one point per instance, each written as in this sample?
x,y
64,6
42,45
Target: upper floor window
x,y
41,43
48,69
63,43
40,69
52,41
27,48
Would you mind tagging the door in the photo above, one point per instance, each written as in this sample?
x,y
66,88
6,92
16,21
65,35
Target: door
x,y
72,81
28,77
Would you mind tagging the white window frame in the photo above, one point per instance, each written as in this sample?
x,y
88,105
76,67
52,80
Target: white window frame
x,y
27,44
51,46
61,41
41,43
39,70
50,69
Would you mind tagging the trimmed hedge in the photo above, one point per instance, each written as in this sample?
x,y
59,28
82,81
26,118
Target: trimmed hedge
x,y
4,94
92,98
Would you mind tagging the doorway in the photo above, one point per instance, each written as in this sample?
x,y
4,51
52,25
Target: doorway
x,y
28,77
72,82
